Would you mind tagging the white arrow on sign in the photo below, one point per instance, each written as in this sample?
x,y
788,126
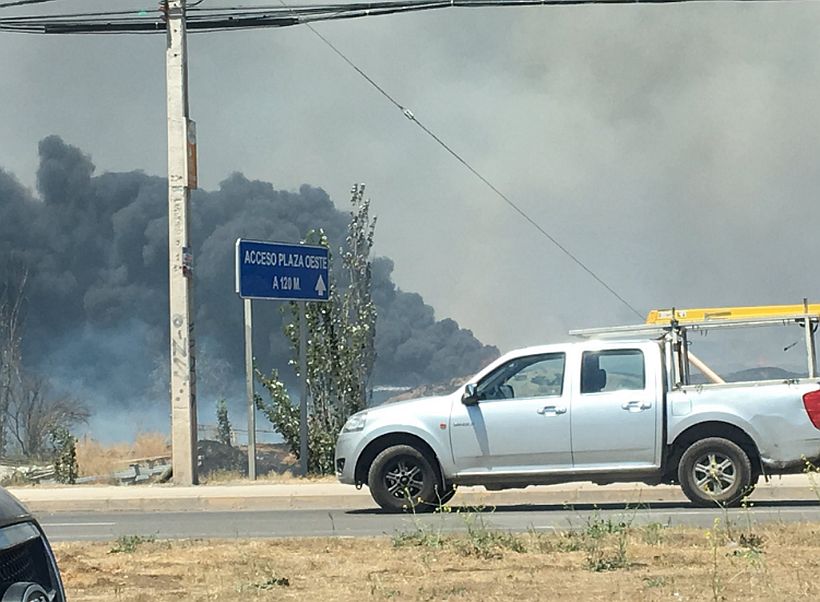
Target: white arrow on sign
x,y
320,286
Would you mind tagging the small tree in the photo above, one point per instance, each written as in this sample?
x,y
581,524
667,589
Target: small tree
x,y
340,350
32,415
64,446
223,424
11,357
28,415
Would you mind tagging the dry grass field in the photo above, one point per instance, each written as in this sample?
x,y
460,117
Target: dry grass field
x,y
94,458
276,466
598,561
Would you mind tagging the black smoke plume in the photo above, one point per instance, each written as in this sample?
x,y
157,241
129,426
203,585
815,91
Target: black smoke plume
x,y
96,313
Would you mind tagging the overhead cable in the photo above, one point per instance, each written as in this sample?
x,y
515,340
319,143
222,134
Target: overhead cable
x,y
207,18
23,2
411,116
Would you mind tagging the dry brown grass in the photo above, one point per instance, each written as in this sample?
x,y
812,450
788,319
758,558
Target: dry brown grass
x,y
147,445
662,564
234,477
95,459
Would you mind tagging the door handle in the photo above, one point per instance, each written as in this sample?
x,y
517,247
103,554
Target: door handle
x,y
636,406
552,410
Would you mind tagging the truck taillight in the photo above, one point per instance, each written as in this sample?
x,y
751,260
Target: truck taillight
x,y
811,401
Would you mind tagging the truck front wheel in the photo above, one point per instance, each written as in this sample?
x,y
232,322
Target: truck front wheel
x,y
715,471
402,478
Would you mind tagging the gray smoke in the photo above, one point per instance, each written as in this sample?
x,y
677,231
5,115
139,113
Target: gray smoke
x,y
96,249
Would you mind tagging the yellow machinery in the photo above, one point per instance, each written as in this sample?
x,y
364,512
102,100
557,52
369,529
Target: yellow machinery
x,y
709,314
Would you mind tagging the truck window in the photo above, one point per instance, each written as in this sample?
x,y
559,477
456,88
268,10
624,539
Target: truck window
x,y
612,370
524,377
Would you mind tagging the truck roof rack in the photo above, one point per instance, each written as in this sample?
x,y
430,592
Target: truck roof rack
x,y
658,329
673,326
661,321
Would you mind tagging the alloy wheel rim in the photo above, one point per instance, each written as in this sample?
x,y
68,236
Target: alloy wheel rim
x,y
404,479
714,473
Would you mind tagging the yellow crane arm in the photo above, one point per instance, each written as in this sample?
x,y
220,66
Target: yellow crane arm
x,y
707,314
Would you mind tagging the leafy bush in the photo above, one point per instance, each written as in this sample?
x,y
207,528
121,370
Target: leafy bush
x,y
223,423
65,455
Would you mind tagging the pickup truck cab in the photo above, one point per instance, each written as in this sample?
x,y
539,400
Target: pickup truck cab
x,y
595,410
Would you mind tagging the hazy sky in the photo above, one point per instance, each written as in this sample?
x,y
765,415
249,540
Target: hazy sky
x,y
673,148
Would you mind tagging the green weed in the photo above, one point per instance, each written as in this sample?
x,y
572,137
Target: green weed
x,y
128,544
605,542
652,534
716,580
478,540
541,542
484,542
421,537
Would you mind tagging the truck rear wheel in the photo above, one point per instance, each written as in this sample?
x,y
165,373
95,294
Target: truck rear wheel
x,y
403,479
715,471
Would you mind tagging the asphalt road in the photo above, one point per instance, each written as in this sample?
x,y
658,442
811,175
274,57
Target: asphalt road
x,y
100,526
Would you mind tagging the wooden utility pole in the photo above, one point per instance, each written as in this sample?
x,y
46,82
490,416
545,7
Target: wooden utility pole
x,y
181,178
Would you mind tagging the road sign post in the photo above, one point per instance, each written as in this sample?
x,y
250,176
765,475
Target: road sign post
x,y
249,389
284,272
303,400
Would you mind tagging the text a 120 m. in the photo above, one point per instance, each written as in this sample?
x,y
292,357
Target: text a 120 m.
x,y
286,283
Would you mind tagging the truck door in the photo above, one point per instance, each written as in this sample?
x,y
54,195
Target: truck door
x,y
521,421
615,411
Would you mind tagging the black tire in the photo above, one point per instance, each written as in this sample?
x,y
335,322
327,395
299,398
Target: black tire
x,y
715,471
402,479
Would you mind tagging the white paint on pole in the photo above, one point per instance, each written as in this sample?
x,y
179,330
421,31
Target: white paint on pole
x,y
180,262
303,403
249,388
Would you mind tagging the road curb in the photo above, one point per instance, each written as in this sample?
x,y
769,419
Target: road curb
x,y
472,497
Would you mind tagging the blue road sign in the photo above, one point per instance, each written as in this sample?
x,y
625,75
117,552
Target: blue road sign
x,y
275,270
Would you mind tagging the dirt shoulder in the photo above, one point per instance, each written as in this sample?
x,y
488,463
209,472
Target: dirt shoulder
x,y
599,561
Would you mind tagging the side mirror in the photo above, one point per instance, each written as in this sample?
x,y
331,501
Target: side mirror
x,y
470,397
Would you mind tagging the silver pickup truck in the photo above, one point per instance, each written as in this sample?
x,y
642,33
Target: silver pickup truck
x,y
595,410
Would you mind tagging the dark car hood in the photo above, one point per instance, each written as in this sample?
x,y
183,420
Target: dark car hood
x,y
11,510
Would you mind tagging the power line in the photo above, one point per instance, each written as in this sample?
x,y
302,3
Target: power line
x,y
23,2
409,114
225,18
